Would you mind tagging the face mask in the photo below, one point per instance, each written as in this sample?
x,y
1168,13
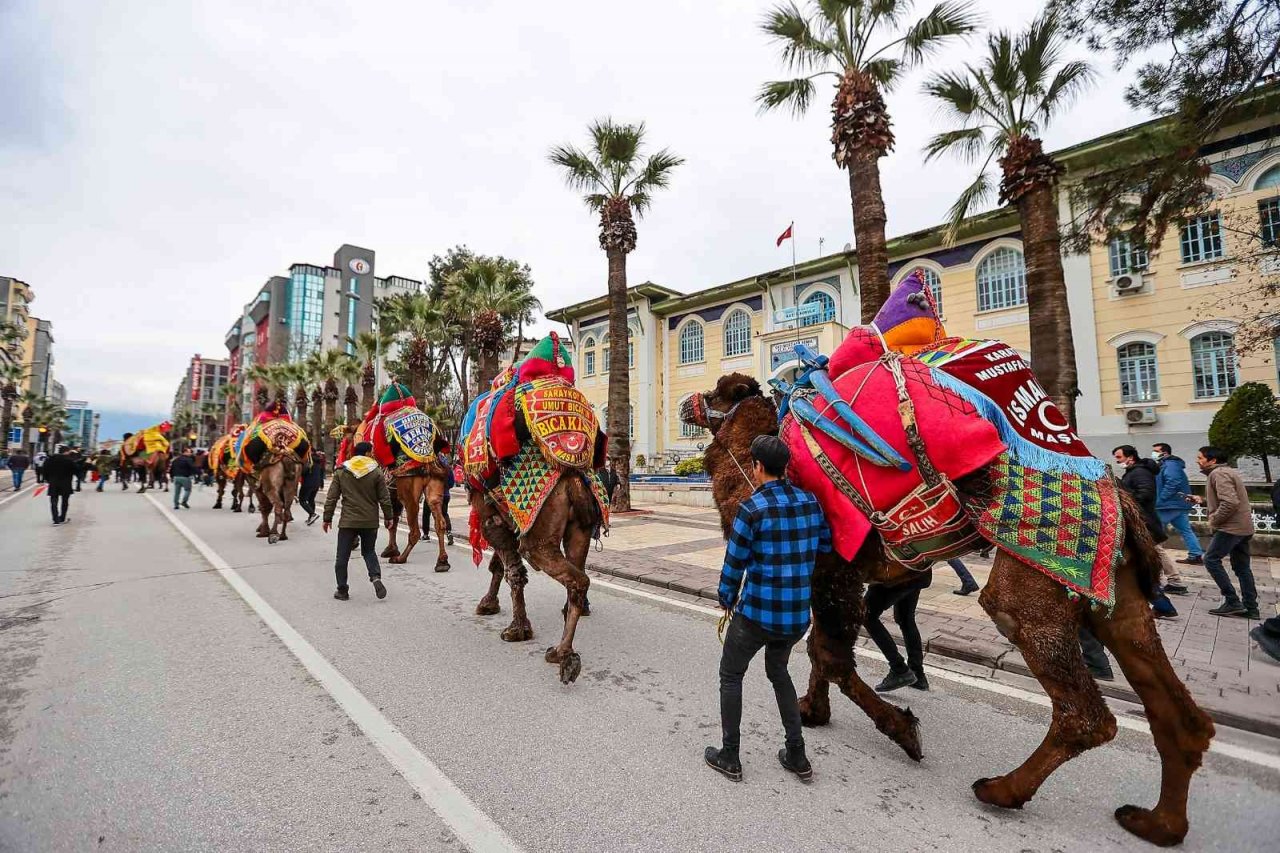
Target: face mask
x,y
1157,455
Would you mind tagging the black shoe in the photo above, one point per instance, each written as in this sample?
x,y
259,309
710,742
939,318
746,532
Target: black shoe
x,y
186,505
723,763
922,683
1251,613
796,763
378,589
1176,589
1102,674
342,594
895,679
311,519
449,538
966,589
1228,610
1191,561
1163,614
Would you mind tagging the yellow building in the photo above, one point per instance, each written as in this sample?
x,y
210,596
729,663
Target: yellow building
x,y
15,301
1154,344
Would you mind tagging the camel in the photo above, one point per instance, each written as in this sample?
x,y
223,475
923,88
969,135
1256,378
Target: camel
x,y
276,485
222,462
150,468
1029,608
271,456
409,491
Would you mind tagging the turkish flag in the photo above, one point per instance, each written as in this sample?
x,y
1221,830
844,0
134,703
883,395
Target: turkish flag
x,y
785,235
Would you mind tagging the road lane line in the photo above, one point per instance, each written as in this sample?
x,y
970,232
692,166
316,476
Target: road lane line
x,y
476,830
16,495
1241,753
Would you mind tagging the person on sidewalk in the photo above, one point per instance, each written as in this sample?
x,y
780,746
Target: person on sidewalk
x,y
312,483
1267,636
609,476
1231,520
1172,488
60,473
903,599
765,590
359,484
183,470
1139,481
19,462
967,583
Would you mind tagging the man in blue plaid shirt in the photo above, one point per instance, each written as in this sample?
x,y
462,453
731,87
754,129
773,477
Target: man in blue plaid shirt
x,y
765,586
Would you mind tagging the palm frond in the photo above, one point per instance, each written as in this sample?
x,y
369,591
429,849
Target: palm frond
x,y
796,94
977,193
956,93
966,143
656,174
947,20
885,70
1068,84
802,48
580,171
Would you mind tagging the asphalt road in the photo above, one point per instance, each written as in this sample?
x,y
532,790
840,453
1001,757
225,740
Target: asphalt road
x,y
145,705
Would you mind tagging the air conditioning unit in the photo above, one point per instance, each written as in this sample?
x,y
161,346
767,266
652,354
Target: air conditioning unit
x,y
1145,415
1128,283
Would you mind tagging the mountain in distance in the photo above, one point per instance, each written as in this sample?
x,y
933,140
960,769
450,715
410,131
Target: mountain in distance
x,y
114,424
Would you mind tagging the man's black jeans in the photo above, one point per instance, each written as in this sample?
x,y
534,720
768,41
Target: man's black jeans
x,y
1237,548
903,599
307,500
741,642
347,537
58,500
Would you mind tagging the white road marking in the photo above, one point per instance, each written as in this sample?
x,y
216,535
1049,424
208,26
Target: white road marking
x,y
476,830
1219,746
18,495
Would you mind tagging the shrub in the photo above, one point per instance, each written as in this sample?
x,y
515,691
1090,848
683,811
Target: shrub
x,y
640,461
692,465
1248,424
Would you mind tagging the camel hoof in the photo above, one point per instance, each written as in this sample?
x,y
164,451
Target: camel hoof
x,y
284,537
517,633
387,553
398,560
272,538
488,608
910,741
443,566
236,509
261,534
570,668
814,714
1144,824
995,792
552,656
218,505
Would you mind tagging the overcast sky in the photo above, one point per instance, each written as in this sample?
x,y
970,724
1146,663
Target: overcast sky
x,y
159,161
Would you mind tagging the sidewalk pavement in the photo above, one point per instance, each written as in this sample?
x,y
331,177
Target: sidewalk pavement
x,y
681,548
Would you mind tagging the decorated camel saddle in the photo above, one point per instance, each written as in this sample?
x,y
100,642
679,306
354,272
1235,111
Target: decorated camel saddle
x,y
405,439
272,435
882,429
222,456
531,428
153,439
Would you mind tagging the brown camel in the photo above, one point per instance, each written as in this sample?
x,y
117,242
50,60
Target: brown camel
x,y
276,484
1030,609
222,462
557,544
407,494
151,468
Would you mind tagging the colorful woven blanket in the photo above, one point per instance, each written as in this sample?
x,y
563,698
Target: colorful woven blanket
x,y
153,439
271,437
222,457
560,419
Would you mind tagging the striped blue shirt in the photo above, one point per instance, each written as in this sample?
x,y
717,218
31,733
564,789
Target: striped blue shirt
x,y
777,536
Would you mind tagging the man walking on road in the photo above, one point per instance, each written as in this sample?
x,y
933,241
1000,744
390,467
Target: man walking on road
x,y
183,470
1140,482
59,473
19,462
312,483
1172,487
1231,520
103,463
765,591
363,491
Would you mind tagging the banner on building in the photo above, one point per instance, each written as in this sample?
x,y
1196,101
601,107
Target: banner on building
x,y
196,375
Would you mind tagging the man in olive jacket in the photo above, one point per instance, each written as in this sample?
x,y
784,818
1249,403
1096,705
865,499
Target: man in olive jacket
x,y
363,490
1231,520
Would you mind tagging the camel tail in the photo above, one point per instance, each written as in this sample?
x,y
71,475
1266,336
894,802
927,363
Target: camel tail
x,y
1141,555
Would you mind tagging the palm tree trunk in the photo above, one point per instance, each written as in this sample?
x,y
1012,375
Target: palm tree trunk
x,y
1053,353
349,402
619,380
367,389
317,418
868,230
330,416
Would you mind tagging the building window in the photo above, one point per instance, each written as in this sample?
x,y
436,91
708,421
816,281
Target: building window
x,y
589,357
1213,364
1002,280
737,333
688,430
606,353
631,350
1202,239
934,281
604,420
1125,257
825,311
1269,220
1139,374
1270,179
691,337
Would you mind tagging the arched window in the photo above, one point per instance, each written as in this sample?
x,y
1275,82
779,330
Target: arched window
x,y
1269,179
934,281
606,353
824,313
604,419
589,357
691,337
1139,373
737,333
1213,364
688,430
1002,280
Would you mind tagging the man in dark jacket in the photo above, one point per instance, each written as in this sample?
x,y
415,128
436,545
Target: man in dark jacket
x,y
363,491
19,462
1139,480
183,470
1172,488
312,483
60,474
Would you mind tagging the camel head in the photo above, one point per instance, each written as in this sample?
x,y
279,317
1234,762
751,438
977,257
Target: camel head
x,y
712,409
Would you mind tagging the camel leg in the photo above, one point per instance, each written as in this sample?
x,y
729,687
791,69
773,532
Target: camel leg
x,y
489,604
435,500
397,508
222,488
1033,611
548,558
503,540
264,507
1181,730
410,489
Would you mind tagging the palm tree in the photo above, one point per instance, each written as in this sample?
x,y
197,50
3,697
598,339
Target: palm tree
x,y
46,416
369,347
618,183
487,299
232,392
351,371
1002,105
260,376
330,365
867,46
429,335
12,375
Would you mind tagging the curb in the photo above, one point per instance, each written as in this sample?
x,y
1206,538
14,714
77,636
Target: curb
x,y
991,657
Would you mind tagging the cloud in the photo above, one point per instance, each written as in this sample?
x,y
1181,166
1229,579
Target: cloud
x,y
167,158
